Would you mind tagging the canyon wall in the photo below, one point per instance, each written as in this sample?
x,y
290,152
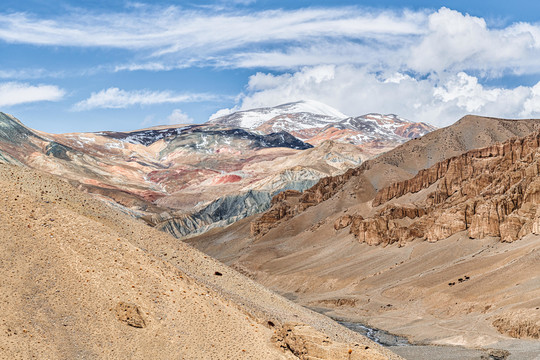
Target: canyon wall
x,y
493,191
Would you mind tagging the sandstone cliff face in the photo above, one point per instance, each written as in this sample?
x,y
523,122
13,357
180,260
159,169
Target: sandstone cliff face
x,y
493,191
280,209
288,204
520,324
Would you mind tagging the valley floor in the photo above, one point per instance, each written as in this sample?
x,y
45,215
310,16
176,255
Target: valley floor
x,y
414,291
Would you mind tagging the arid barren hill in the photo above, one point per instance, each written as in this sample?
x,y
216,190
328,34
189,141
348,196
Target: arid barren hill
x,y
81,280
179,178
188,179
315,247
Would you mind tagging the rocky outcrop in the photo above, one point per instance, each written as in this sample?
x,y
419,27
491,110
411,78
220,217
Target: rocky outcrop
x,y
493,191
289,204
221,212
521,324
309,344
281,208
388,226
343,222
227,210
430,153
129,314
327,187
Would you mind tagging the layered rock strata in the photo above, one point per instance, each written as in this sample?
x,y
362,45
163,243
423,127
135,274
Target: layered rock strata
x,y
183,179
290,203
493,191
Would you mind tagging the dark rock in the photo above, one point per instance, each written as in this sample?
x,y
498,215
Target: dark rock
x,y
57,150
130,314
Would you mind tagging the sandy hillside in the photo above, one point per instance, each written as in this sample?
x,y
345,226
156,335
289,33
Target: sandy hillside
x,y
81,280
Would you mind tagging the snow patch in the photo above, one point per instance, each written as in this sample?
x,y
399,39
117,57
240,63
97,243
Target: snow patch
x,y
256,117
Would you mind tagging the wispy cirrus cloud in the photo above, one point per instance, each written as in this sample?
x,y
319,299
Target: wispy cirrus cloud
x,y
15,93
34,73
173,29
164,38
176,35
115,98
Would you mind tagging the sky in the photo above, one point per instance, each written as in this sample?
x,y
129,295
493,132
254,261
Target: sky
x,y
73,66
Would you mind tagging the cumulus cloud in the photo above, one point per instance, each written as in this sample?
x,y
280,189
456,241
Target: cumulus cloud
x,y
179,117
355,90
14,93
531,107
115,98
455,41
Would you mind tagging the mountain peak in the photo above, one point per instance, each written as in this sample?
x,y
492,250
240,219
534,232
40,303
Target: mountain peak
x,y
313,107
254,118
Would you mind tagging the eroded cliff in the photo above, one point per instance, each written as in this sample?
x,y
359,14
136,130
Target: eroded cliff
x,y
493,191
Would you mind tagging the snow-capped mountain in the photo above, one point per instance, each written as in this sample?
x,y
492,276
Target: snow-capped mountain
x,y
315,122
372,128
301,114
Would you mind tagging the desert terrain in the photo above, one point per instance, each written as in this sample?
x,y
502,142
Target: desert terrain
x,y
346,247
188,179
435,241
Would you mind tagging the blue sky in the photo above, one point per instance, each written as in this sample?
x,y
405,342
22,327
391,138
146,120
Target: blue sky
x,y
119,65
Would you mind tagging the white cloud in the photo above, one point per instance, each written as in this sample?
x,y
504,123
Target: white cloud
x,y
174,37
455,41
151,66
531,107
115,98
241,2
177,36
223,112
466,92
355,90
418,64
179,117
28,74
14,93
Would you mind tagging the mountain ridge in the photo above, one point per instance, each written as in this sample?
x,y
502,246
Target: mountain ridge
x,y
177,171
317,125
